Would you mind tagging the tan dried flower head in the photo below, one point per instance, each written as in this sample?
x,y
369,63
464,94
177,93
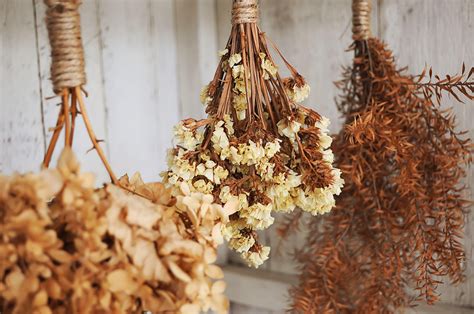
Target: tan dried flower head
x,y
69,248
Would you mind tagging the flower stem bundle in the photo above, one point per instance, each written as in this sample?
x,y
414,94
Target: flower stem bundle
x,y
258,147
68,75
398,225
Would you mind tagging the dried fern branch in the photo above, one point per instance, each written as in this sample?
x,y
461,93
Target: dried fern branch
x,y
460,84
398,223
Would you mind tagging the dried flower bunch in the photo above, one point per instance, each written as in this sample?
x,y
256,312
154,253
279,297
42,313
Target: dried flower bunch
x,y
258,147
399,219
68,248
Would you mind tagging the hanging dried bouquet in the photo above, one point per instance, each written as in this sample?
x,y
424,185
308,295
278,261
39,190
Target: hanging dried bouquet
x,y
258,147
67,247
398,225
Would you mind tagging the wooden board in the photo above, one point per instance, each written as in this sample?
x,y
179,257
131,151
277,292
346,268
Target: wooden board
x,y
132,71
255,291
197,52
21,127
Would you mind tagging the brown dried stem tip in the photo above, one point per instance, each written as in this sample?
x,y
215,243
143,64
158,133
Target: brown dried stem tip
x,y
68,74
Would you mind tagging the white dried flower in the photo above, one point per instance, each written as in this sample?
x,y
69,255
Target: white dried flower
x,y
268,67
219,137
234,59
255,259
223,52
204,96
288,128
299,94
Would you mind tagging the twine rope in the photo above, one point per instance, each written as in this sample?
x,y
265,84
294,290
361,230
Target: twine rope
x,y
244,11
361,19
67,53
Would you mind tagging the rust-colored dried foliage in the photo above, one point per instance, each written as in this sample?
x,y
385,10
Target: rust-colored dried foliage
x,y
397,229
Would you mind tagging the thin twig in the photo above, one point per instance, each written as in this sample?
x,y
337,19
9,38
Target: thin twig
x,y
92,136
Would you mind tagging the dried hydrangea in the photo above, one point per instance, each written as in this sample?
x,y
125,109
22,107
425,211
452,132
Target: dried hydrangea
x,y
258,147
67,247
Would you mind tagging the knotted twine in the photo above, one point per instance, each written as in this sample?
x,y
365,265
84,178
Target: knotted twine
x,y
244,11
67,52
361,19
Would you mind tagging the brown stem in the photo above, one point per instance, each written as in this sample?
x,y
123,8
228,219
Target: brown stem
x,y
54,139
246,71
74,113
66,113
92,136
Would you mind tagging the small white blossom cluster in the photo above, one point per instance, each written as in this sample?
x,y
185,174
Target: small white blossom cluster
x,y
66,247
258,170
297,93
319,200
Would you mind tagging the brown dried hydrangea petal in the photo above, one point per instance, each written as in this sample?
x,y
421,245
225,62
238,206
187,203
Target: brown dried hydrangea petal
x,y
68,247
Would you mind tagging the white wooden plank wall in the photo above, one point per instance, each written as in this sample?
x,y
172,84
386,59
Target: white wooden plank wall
x,y
21,128
147,60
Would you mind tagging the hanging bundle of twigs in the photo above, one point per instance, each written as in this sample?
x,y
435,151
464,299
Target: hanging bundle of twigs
x,y
68,75
258,148
66,247
398,223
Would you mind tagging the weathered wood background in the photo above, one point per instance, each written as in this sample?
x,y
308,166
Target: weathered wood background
x,y
147,60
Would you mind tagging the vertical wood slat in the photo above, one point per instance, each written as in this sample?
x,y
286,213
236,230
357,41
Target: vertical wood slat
x,y
440,35
96,108
165,69
197,52
21,128
134,63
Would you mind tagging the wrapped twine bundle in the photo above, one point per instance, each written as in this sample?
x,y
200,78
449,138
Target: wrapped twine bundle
x,y
258,147
399,220
66,247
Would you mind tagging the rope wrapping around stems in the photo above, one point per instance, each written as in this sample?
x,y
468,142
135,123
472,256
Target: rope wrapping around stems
x,y
67,52
68,74
244,11
361,10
